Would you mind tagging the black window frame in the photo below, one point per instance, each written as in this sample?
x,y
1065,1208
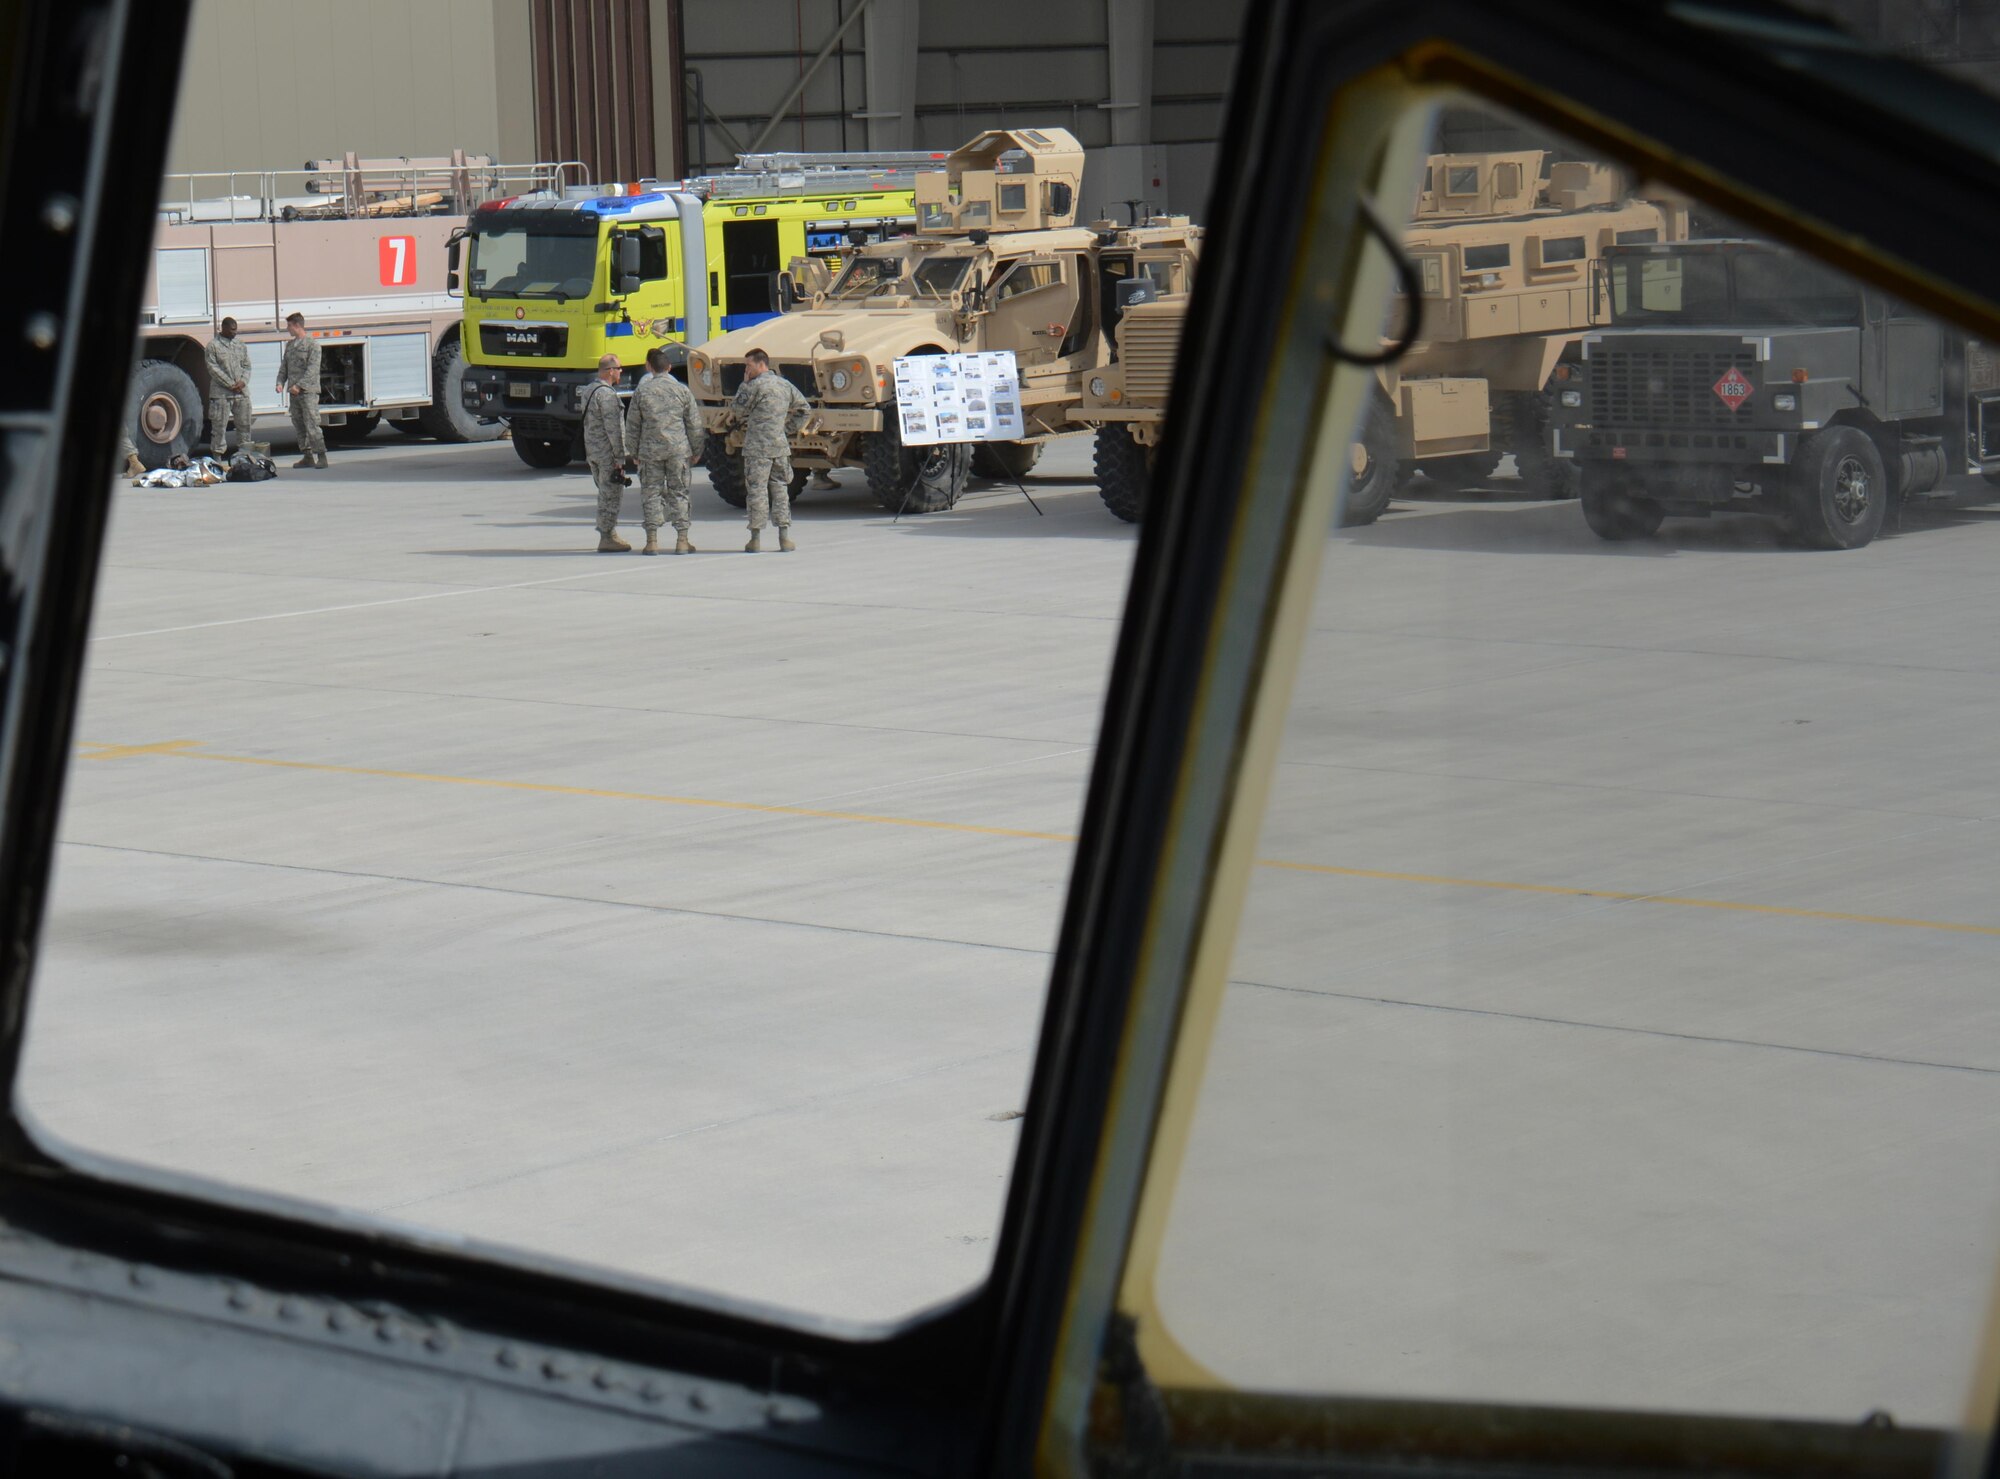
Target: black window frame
x,y
960,1388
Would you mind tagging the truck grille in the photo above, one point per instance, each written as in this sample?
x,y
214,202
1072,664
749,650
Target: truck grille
x,y
1666,387
542,341
801,376
1146,351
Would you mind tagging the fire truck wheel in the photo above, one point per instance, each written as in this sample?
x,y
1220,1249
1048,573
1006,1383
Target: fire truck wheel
x,y
1837,491
1470,470
1377,469
546,452
355,428
725,472
1613,512
1003,460
445,417
1124,472
165,412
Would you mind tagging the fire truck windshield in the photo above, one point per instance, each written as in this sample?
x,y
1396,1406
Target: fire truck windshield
x,y
1730,288
515,262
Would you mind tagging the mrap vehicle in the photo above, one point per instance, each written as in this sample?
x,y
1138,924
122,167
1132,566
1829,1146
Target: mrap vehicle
x,y
1738,377
554,282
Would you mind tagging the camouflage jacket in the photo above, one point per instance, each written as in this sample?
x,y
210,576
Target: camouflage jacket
x,y
771,409
603,425
300,366
666,424
228,363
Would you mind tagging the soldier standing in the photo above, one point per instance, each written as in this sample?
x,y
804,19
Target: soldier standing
x,y
604,446
228,389
771,410
665,437
298,373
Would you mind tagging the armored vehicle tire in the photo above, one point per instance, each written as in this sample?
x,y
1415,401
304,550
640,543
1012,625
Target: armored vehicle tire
x,y
1124,471
1521,426
542,451
1003,460
445,418
1377,469
1837,493
913,480
166,412
725,471
1468,470
1614,512
356,427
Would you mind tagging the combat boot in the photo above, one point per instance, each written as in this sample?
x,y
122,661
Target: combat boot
x,y
652,542
608,543
305,461
681,545
756,542
785,538
319,459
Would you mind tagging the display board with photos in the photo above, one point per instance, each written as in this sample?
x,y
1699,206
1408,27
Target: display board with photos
x,y
959,398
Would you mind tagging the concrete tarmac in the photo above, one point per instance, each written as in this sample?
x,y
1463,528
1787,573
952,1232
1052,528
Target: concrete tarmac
x,y
1614,1018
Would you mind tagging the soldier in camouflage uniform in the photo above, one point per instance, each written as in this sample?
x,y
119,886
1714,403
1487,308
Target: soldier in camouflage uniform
x,y
228,389
604,447
298,373
665,436
770,409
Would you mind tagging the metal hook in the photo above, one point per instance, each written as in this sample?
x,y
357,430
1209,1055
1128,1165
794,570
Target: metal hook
x,y
1413,287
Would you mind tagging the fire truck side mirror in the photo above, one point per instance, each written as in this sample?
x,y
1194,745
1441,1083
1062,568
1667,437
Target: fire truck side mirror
x,y
451,268
626,262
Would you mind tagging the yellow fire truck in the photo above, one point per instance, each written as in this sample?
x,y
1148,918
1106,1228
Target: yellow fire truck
x,y
554,281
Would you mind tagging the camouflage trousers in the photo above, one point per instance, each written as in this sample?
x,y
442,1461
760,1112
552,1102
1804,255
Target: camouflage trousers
x,y
663,491
305,420
221,409
768,481
610,493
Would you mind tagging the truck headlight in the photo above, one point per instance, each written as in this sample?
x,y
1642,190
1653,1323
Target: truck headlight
x,y
1571,397
839,380
704,372
1097,386
1784,403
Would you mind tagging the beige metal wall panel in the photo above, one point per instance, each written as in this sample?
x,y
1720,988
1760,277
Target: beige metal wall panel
x,y
272,83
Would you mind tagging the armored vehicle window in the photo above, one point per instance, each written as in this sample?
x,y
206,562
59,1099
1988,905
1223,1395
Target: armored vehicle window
x,y
866,276
1506,179
1027,277
1638,236
935,217
1561,249
1161,271
1461,179
1485,258
1013,198
940,276
975,213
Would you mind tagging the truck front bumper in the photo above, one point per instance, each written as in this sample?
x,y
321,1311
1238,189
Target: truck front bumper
x,y
1765,448
493,390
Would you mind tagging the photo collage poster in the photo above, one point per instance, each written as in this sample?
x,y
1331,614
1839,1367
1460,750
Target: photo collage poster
x,y
959,398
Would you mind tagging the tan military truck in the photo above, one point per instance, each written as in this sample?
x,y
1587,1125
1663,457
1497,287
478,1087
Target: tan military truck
x,y
1506,249
996,263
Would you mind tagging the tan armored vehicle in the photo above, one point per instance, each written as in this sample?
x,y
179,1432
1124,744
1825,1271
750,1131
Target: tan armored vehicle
x,y
996,263
1506,249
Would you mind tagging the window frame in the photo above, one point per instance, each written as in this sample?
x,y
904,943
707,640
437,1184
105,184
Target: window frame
x,y
1000,1379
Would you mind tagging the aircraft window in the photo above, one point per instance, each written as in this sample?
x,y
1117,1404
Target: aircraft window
x,y
1609,1016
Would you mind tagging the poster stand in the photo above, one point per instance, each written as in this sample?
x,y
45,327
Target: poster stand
x,y
955,399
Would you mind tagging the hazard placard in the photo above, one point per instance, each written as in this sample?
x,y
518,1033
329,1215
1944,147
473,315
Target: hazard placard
x,y
1734,389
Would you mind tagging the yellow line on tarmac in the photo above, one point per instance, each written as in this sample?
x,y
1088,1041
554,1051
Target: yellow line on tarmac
x,y
189,750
